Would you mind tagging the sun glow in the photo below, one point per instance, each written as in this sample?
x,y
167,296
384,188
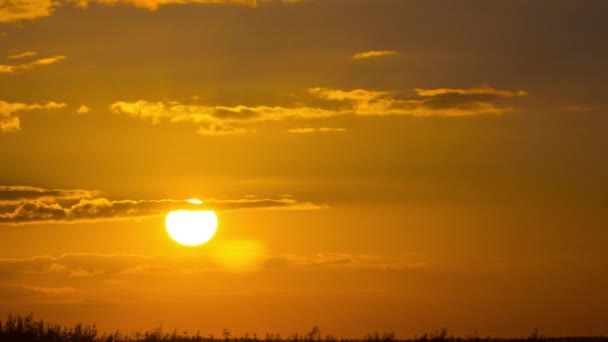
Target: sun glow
x,y
191,228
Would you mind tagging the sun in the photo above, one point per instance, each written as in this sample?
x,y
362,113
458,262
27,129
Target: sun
x,y
191,227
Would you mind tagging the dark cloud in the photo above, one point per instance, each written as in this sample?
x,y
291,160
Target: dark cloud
x,y
15,193
22,205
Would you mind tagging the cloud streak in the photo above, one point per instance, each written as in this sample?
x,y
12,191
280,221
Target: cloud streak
x,y
28,205
90,265
374,54
18,68
310,130
20,10
224,120
22,55
9,118
23,10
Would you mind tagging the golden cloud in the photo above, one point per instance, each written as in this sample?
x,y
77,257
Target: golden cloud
x,y
22,55
483,90
225,120
9,119
83,109
17,68
309,130
21,10
374,53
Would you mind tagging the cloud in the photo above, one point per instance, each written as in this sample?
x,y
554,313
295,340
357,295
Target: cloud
x,y
483,90
374,53
20,291
17,68
428,102
10,124
215,120
83,109
309,130
90,265
216,129
341,260
155,4
9,119
27,205
223,120
176,111
10,193
22,55
22,10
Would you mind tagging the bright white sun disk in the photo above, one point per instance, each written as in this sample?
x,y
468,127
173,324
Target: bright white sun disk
x,y
191,228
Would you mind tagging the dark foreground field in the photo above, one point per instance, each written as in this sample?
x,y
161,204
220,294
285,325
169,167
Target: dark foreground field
x,y
25,328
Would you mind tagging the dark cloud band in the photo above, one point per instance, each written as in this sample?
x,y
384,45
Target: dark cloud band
x,y
23,205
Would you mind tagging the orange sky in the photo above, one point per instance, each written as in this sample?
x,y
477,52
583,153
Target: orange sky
x,y
391,165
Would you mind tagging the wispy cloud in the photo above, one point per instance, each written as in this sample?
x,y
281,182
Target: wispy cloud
x,y
23,205
22,10
87,265
83,109
427,102
374,54
9,113
17,68
22,55
224,120
310,130
155,4
341,260
219,129
483,90
215,120
17,193
21,291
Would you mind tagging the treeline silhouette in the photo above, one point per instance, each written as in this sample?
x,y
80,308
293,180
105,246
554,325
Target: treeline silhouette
x,y
18,328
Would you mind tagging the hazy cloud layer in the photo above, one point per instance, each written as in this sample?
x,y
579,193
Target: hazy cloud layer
x,y
341,260
359,102
9,113
102,265
310,130
17,68
21,10
374,53
23,205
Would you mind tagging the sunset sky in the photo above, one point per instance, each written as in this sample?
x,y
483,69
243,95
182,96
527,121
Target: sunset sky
x,y
375,165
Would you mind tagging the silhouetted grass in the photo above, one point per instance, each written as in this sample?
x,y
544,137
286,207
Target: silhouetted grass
x,y
17,328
